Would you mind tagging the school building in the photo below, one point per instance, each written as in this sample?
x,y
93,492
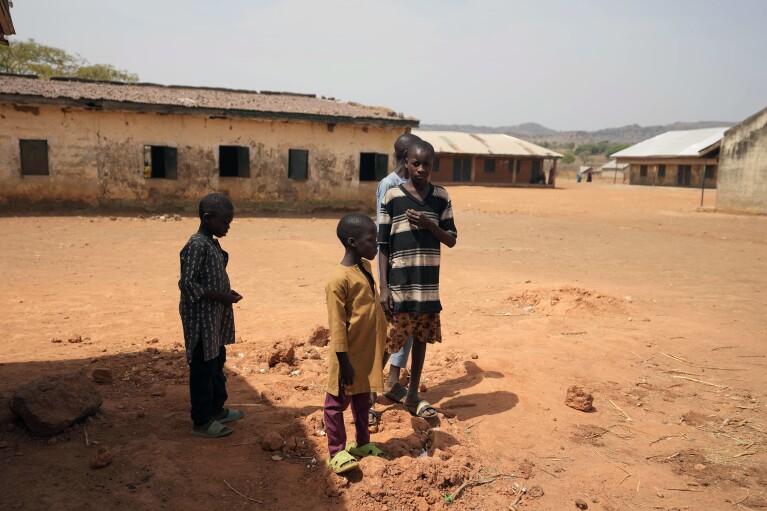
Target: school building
x,y
675,158
742,185
489,159
151,146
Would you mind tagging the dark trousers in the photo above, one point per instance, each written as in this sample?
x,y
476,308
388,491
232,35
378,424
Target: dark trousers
x,y
207,385
334,419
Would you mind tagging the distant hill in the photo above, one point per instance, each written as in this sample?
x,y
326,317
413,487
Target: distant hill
x,y
534,132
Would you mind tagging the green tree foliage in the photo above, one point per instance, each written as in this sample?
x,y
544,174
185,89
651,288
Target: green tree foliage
x,y
568,157
31,57
614,148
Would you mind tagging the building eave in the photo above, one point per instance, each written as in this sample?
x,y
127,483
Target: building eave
x,y
126,106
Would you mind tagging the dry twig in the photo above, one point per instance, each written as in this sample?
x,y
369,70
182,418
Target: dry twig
x,y
628,474
87,442
477,482
700,381
624,413
685,489
242,494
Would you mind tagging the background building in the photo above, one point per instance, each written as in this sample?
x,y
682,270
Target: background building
x,y
150,145
742,184
489,159
674,158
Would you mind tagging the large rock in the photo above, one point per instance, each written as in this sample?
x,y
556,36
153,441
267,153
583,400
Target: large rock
x,y
50,405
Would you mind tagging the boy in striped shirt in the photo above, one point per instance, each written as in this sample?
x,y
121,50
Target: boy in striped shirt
x,y
416,218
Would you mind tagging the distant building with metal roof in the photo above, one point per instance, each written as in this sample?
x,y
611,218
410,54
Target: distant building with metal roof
x,y
491,158
675,158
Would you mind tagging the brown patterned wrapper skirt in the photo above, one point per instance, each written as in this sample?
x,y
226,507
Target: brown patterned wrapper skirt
x,y
421,327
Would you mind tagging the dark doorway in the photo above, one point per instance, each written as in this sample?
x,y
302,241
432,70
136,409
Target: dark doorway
x,y
373,166
684,175
462,170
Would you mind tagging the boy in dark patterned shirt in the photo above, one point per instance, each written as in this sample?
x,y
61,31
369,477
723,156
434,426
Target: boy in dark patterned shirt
x,y
207,317
416,219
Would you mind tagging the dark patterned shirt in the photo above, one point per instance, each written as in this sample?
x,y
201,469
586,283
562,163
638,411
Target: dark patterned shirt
x,y
414,253
203,268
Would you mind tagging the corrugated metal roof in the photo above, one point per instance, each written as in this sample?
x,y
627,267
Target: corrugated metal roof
x,y
185,99
675,144
585,168
497,144
614,165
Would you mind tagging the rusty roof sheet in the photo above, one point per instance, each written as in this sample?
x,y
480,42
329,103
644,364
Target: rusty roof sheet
x,y
185,99
677,144
496,144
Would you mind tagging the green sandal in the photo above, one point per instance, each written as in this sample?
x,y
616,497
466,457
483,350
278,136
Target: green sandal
x,y
342,462
363,451
214,430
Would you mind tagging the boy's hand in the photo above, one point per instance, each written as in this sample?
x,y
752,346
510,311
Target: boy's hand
x,y
345,370
387,302
237,296
419,219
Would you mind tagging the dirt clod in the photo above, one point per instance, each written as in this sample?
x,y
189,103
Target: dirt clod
x,y
282,352
581,504
319,337
102,375
102,458
579,399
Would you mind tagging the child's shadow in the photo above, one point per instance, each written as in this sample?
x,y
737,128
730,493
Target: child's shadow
x,y
464,407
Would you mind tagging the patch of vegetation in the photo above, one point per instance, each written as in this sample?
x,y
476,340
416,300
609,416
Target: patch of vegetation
x,y
31,57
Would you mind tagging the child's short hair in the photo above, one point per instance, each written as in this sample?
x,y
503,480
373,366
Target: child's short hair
x,y
403,143
215,203
353,225
420,145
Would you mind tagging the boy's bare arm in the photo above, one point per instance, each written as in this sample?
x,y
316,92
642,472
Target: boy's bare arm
x,y
422,221
383,271
227,298
345,369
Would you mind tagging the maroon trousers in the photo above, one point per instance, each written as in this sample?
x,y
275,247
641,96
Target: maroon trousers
x,y
334,419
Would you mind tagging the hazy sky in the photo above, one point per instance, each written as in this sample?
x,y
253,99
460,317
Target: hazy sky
x,y
567,64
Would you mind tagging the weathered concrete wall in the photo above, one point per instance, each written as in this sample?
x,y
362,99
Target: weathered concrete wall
x,y
97,157
743,167
653,177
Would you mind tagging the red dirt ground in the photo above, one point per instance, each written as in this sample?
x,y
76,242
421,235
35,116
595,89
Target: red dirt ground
x,y
657,309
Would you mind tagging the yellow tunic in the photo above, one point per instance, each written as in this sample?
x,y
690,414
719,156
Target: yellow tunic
x,y
357,326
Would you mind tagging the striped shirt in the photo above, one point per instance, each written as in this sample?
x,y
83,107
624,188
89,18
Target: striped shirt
x,y
414,253
203,268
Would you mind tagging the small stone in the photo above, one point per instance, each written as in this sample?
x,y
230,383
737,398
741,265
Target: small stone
x,y
277,457
699,467
422,387
581,504
628,299
579,399
102,458
140,414
102,375
474,356
3,445
660,495
272,442
52,441
176,217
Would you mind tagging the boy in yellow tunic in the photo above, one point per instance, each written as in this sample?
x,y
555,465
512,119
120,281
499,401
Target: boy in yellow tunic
x,y
357,338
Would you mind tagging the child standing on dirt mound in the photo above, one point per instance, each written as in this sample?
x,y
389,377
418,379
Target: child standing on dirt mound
x,y
207,317
357,332
416,219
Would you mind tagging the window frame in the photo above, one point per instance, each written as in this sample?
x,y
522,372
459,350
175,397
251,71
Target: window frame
x,y
294,163
29,151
